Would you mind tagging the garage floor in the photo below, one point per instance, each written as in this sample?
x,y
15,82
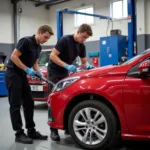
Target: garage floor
x,y
66,143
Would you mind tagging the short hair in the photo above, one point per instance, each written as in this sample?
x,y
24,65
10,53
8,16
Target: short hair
x,y
45,28
85,28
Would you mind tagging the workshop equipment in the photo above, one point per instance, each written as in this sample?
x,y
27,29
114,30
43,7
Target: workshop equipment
x,y
2,66
59,18
115,32
112,49
2,60
3,89
95,58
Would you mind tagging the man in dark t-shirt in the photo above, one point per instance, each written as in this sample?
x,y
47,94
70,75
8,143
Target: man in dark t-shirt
x,y
23,59
62,57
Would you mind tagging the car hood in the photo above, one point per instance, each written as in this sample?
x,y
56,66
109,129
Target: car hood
x,y
101,71
94,72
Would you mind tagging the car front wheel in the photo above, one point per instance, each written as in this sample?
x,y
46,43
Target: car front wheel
x,y
93,125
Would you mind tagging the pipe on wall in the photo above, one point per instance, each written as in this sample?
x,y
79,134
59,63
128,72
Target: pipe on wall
x,y
14,2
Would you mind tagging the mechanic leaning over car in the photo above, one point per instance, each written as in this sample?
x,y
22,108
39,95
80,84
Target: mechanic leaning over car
x,y
62,57
24,57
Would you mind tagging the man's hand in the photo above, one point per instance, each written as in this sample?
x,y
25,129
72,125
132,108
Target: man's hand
x,y
30,72
88,66
40,73
71,68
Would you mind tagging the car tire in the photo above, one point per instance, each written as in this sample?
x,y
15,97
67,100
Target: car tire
x,y
111,134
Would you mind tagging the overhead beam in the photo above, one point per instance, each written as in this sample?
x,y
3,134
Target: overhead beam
x,y
59,18
57,2
14,1
44,3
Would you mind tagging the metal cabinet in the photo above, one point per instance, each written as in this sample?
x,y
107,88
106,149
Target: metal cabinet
x,y
3,89
112,48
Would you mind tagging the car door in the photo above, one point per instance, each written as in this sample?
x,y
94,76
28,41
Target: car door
x,y
136,96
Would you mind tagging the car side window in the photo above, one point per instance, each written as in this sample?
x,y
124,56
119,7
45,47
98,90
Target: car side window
x,y
44,58
134,71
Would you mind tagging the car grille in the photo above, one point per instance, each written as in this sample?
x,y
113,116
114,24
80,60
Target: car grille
x,y
39,94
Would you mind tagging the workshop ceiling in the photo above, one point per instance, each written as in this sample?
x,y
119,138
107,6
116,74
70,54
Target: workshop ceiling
x,y
47,3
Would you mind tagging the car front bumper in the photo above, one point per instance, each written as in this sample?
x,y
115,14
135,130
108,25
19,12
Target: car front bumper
x,y
56,107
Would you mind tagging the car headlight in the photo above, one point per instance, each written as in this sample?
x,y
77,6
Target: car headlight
x,y
64,83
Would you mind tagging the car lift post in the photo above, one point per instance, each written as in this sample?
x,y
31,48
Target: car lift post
x,y
132,33
59,16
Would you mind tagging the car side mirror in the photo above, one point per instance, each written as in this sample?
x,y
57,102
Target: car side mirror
x,y
144,68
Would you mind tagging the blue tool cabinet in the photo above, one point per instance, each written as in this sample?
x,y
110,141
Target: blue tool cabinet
x,y
112,48
3,89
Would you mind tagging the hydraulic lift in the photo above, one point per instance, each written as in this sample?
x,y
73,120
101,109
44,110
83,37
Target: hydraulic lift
x,y
132,43
59,16
132,34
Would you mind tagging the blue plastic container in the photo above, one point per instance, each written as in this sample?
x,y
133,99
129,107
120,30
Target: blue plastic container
x,y
3,89
93,54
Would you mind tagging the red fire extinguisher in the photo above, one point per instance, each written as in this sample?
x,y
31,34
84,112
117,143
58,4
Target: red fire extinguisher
x,y
95,61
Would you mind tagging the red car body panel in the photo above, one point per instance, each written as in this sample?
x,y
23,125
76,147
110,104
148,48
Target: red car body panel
x,y
98,85
41,95
130,97
36,81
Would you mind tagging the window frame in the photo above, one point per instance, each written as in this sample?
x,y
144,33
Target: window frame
x,y
111,10
80,8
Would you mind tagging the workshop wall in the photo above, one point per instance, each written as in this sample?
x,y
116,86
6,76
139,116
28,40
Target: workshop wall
x,y
143,28
31,18
6,25
28,20
147,23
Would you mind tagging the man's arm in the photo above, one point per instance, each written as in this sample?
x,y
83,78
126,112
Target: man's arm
x,y
86,64
15,58
84,61
36,66
54,57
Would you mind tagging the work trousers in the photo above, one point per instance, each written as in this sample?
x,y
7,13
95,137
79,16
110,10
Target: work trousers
x,y
19,93
55,75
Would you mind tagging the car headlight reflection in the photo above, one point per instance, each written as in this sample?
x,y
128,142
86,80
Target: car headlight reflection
x,y
64,83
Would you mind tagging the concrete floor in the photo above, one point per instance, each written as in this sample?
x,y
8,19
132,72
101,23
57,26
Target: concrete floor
x,y
40,116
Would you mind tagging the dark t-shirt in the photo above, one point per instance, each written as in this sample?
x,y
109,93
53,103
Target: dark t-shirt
x,y
30,52
69,49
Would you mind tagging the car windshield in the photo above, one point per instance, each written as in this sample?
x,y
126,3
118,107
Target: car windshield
x,y
135,57
43,58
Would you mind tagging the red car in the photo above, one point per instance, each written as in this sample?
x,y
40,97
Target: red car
x,y
100,105
40,89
